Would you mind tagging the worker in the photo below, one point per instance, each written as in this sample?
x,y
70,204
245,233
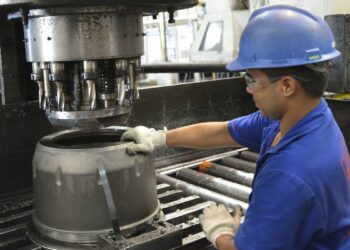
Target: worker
x,y
301,190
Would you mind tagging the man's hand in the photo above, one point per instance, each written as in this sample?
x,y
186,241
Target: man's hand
x,y
146,139
217,221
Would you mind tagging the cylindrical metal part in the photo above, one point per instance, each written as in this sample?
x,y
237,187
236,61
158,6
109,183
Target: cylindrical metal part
x,y
70,204
121,65
132,79
230,174
249,156
184,68
38,77
60,96
108,100
202,192
220,185
40,92
36,68
137,62
92,93
85,36
239,164
47,88
57,68
90,66
121,90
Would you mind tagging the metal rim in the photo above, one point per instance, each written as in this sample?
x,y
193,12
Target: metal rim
x,y
90,236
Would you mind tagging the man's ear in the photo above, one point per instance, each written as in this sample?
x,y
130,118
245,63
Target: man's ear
x,y
289,86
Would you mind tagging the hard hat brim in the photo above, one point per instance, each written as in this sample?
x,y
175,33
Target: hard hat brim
x,y
237,65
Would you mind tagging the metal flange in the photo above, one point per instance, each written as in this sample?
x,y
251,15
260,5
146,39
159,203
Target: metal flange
x,y
158,5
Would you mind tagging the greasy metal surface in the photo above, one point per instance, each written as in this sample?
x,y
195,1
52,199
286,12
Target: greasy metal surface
x,y
70,204
154,5
101,35
180,209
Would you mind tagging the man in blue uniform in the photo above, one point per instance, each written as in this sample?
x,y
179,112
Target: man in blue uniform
x,y
301,189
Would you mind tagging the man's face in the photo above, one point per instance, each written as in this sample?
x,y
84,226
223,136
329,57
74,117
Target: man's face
x,y
265,93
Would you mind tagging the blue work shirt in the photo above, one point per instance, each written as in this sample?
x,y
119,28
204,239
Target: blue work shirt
x,y
301,189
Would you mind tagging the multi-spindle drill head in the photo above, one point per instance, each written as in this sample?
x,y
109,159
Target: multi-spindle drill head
x,y
85,55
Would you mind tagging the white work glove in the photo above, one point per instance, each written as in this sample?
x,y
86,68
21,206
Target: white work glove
x,y
146,139
216,221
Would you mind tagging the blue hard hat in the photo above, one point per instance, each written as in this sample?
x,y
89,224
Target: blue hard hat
x,y
279,36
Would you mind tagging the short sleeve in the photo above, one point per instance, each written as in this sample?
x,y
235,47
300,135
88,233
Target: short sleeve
x,y
283,214
247,130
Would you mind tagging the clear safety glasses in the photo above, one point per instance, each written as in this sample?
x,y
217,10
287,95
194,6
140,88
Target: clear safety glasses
x,y
254,85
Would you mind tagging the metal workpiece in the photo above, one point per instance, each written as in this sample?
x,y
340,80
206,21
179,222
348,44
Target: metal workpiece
x,y
219,185
202,192
227,173
181,209
239,164
70,204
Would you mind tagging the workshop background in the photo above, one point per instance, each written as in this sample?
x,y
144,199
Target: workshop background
x,y
71,69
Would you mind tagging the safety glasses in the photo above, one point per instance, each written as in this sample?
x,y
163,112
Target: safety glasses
x,y
254,85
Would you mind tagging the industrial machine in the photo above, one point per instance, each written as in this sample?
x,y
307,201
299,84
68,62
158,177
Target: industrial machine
x,y
218,36
75,65
85,56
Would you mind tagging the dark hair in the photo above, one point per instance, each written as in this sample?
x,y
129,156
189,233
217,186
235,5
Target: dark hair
x,y
313,82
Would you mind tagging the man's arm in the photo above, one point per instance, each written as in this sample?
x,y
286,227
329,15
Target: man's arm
x,y
201,135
